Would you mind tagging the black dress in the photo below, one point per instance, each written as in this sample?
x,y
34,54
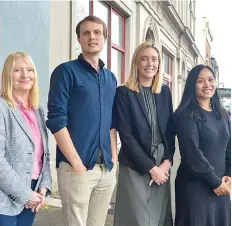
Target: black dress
x,y
205,158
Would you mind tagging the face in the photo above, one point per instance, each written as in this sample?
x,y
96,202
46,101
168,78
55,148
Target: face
x,y
148,64
91,37
205,86
23,76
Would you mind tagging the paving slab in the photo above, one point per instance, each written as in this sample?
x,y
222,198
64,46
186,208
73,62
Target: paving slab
x,y
52,216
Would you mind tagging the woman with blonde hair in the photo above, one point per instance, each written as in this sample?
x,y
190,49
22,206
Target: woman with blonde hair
x,y
143,107
25,177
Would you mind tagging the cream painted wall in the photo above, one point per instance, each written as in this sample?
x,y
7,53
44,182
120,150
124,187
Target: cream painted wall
x,y
60,33
59,52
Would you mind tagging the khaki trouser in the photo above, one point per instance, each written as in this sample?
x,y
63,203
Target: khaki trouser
x,y
85,197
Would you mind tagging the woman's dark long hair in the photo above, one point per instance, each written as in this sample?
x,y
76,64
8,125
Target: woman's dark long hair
x,y
189,97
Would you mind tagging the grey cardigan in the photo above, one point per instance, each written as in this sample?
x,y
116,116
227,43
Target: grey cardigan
x,y
16,159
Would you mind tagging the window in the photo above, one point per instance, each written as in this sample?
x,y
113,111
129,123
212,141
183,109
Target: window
x,y
166,61
167,68
150,35
102,11
113,53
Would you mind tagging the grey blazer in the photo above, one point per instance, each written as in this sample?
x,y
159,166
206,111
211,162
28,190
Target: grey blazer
x,y
16,160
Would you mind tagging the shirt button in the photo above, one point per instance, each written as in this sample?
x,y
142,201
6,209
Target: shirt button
x,y
102,100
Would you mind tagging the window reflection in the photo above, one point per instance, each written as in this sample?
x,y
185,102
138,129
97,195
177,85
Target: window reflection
x,y
166,62
117,32
116,64
113,53
150,35
102,11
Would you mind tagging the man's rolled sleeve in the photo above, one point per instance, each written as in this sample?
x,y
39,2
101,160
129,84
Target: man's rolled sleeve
x,y
60,85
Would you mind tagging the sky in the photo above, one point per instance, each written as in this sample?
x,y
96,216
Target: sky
x,y
219,15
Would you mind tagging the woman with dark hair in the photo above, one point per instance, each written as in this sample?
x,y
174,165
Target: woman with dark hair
x,y
203,130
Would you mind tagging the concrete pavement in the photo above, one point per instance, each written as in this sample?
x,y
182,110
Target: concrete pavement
x,y
52,216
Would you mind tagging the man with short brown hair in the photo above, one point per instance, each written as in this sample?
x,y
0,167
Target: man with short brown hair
x,y
80,104
93,19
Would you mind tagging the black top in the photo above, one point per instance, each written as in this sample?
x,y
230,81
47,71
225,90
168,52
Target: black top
x,y
81,99
135,130
204,146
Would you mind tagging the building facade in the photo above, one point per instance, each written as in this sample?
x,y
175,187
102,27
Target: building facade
x,y
168,24
46,30
215,67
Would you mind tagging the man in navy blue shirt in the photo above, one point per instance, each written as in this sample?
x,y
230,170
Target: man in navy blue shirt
x,y
80,104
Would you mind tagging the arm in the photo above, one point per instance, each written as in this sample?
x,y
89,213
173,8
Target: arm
x,y
113,132
46,180
132,148
45,186
65,144
60,86
228,151
20,193
225,187
191,156
170,133
113,138
227,176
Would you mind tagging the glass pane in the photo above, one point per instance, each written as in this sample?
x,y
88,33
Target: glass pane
x,y
82,10
104,54
117,30
102,11
116,64
166,62
150,36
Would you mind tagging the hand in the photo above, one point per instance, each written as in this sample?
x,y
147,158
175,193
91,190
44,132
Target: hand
x,y
151,182
35,207
115,160
158,175
222,189
43,192
165,165
227,180
79,168
36,198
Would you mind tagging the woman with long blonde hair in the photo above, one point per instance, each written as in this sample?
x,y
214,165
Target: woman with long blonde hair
x,y
143,107
25,177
